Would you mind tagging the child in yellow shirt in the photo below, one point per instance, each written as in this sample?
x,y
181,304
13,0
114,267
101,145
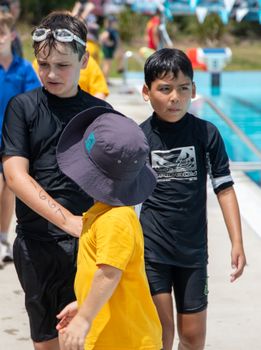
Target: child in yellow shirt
x,y
105,153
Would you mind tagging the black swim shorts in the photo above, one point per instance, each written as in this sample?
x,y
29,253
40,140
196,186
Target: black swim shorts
x,y
46,271
189,284
108,52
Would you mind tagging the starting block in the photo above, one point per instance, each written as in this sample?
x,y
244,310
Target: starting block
x,y
215,60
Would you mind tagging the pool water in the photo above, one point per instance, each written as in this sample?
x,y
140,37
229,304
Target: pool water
x,y
240,100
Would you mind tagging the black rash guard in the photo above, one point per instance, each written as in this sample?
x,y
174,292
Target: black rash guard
x,y
33,124
174,218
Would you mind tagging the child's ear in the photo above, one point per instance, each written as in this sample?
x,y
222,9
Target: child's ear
x,y
145,93
194,90
85,59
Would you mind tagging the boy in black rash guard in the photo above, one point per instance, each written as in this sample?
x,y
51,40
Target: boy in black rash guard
x,y
183,150
49,204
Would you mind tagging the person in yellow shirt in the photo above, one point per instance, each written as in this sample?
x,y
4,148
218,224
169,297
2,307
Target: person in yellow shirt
x,y
91,79
94,50
114,308
93,45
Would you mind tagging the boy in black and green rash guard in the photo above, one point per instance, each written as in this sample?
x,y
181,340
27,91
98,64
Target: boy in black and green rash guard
x,y
183,150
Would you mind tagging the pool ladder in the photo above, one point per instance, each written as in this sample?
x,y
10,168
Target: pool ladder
x,y
242,166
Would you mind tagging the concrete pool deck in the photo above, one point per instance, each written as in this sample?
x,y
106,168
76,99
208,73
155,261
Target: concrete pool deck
x,y
234,316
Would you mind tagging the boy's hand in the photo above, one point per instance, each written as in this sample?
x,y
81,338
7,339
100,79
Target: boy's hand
x,y
238,262
66,315
73,336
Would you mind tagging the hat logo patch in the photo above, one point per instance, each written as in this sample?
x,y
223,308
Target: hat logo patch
x,y
89,142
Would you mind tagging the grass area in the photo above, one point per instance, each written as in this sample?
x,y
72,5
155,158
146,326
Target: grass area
x,y
246,55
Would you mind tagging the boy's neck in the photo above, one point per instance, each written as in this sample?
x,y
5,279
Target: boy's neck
x,y
6,60
57,97
173,121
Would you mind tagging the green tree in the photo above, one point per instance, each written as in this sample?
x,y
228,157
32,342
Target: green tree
x,y
34,10
211,30
131,25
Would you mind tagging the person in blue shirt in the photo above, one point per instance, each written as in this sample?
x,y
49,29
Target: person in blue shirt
x,y
16,76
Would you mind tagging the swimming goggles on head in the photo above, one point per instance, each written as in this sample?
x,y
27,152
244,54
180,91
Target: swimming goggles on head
x,y
61,35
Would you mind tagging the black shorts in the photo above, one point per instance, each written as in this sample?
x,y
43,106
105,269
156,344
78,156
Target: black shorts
x,y
46,271
190,285
108,52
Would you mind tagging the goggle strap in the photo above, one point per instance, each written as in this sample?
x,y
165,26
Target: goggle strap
x,y
63,39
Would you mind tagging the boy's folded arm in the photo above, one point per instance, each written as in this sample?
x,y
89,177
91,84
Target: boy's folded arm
x,y
16,170
230,209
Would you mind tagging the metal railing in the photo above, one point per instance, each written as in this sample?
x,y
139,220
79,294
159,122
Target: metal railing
x,y
126,58
243,166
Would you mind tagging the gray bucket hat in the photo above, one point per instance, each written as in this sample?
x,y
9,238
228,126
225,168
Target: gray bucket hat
x,y
105,153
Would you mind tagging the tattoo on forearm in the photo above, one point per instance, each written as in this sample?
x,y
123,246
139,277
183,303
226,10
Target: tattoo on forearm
x,y
60,211
44,197
51,204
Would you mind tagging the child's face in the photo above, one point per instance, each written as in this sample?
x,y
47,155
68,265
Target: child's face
x,y
60,70
170,97
6,38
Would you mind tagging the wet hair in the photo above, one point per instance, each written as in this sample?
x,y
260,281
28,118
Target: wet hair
x,y
62,20
6,19
166,61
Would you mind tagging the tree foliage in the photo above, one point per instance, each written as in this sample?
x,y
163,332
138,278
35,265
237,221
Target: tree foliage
x,y
34,10
132,25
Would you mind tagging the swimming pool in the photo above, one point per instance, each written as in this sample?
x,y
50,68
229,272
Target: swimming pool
x,y
239,99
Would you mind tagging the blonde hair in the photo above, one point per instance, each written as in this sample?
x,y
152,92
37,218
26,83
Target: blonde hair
x,y
6,19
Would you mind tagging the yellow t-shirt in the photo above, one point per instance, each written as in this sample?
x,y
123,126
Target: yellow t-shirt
x,y
91,78
129,320
94,50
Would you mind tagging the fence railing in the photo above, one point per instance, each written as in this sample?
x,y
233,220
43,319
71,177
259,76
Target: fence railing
x,y
243,166
246,165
